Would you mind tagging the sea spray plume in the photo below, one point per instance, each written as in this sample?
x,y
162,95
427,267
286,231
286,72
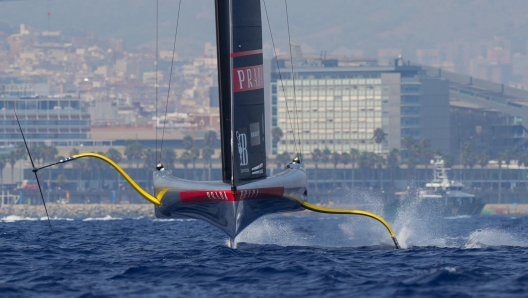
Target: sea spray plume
x,y
35,170
493,237
417,227
322,230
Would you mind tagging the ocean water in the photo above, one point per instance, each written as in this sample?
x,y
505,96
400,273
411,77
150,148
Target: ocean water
x,y
300,254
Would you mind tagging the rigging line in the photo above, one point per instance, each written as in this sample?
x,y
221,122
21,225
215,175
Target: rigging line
x,y
170,80
34,170
280,78
157,55
293,78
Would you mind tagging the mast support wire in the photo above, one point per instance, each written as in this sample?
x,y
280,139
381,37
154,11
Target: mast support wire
x,y
170,80
294,87
157,87
34,169
282,82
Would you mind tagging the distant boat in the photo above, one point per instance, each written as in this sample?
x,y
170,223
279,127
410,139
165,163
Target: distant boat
x,y
444,197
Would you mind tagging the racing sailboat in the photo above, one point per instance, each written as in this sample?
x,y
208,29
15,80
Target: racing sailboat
x,y
245,192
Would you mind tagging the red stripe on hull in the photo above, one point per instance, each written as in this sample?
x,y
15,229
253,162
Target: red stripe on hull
x,y
231,196
246,53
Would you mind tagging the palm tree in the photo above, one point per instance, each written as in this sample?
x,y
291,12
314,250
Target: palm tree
x,y
325,157
345,160
393,162
61,179
380,161
276,135
37,153
133,151
316,157
283,159
3,164
185,159
210,138
354,156
188,142
520,156
483,159
114,155
74,151
379,137
195,153
149,158
77,166
507,156
448,160
412,147
471,162
12,158
50,153
21,150
207,153
99,166
411,167
426,152
168,157
336,158
365,162
500,159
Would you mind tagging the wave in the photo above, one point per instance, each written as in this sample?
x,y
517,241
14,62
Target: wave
x,y
458,217
15,218
493,237
173,219
108,217
56,218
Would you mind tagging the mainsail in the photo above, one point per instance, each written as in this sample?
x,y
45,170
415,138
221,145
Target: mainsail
x,y
241,81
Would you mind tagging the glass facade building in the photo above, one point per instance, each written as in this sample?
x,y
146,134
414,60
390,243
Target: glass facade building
x,y
57,121
340,107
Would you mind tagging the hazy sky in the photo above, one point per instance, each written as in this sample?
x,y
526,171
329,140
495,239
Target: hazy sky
x,y
332,25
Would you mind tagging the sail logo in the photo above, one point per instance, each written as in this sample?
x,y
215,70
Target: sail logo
x,y
248,78
258,169
242,148
254,132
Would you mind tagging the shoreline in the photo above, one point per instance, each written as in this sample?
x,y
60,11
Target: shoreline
x,y
78,210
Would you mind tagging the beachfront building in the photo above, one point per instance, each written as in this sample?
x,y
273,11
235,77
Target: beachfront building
x,y
58,121
338,103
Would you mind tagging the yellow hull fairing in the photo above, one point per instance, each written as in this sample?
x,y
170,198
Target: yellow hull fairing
x,y
230,211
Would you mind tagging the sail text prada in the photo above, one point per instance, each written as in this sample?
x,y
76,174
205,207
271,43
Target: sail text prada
x,y
248,78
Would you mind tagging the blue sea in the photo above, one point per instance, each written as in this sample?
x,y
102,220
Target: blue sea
x,y
299,254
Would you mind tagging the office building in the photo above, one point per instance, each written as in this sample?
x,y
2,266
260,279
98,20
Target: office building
x,y
55,121
338,103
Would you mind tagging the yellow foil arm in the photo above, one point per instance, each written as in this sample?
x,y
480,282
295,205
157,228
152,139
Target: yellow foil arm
x,y
346,211
154,200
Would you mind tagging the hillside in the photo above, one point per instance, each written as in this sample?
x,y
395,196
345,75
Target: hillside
x,y
333,25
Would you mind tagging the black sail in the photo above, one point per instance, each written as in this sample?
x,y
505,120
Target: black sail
x,y
241,81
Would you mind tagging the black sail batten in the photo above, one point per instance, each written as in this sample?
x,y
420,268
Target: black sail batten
x,y
241,87
224,83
